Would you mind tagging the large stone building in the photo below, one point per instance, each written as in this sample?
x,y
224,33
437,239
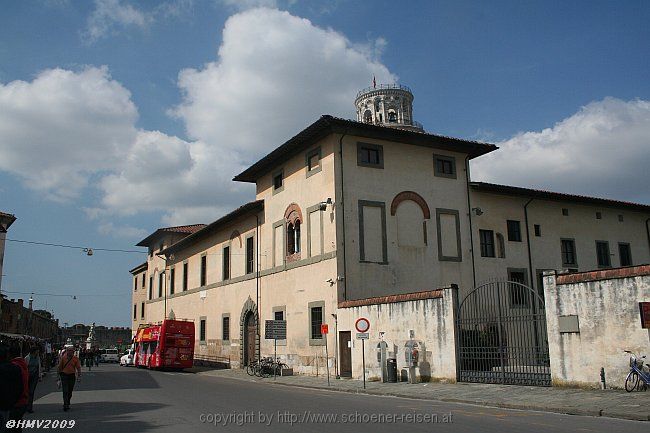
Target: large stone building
x,y
16,318
350,210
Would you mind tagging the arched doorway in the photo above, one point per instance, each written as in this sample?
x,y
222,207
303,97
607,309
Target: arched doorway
x,y
250,337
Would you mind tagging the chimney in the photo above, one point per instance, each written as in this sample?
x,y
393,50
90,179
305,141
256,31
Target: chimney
x,y
20,302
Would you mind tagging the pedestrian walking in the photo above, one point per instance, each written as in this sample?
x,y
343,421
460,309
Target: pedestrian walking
x,y
97,357
33,361
18,410
69,370
48,356
11,384
90,359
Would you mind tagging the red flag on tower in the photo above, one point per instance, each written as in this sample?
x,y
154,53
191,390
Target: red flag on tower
x,y
374,82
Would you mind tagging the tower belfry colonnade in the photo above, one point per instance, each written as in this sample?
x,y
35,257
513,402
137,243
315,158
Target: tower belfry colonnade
x,y
387,105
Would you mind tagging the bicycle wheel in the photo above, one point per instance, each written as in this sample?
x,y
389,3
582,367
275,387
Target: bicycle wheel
x,y
250,369
632,381
266,370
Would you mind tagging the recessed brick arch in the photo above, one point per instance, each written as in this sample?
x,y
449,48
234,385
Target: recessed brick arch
x,y
249,308
236,235
412,196
293,213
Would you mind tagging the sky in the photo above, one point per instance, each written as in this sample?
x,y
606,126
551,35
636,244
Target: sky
x,y
118,117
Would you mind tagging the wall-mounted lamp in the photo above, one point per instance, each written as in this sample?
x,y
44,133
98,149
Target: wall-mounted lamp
x,y
477,211
323,205
88,251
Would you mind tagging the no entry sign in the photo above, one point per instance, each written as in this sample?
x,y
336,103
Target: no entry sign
x,y
362,324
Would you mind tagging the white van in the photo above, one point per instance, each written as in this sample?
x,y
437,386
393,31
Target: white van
x,y
110,355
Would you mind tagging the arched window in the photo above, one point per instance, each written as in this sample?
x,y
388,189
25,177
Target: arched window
x,y
367,116
293,217
392,116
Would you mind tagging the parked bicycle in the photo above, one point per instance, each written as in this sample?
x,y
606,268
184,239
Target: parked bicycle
x,y
266,367
639,376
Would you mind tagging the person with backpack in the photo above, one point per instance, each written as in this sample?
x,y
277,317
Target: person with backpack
x,y
33,361
69,370
11,384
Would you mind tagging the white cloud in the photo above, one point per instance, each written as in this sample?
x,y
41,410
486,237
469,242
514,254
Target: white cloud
x,y
61,128
109,16
602,150
275,74
121,231
243,5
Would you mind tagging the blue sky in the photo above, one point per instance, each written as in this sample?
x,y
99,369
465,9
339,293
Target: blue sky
x,y
117,117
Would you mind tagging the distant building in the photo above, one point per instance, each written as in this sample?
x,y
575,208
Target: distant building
x,y
15,318
105,337
6,220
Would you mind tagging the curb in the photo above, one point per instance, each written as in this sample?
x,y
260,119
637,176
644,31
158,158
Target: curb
x,y
564,411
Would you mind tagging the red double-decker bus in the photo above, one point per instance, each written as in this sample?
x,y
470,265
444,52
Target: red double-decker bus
x,y
169,344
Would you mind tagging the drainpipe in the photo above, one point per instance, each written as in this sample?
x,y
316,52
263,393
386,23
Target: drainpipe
x,y
257,282
532,279
471,231
342,200
530,256
647,230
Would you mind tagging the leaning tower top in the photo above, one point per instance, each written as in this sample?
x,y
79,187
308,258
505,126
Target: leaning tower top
x,y
388,105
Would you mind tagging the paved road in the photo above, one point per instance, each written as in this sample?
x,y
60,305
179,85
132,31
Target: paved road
x,y
123,400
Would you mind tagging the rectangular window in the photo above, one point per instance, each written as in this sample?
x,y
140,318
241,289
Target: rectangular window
x,y
225,334
625,254
160,284
620,218
565,211
278,181
142,310
514,231
568,250
204,270
278,315
172,278
313,161
185,267
250,255
444,166
226,263
202,330
448,229
538,230
487,243
135,284
602,253
370,155
316,321
135,311
372,232
599,215
519,294
143,280
150,287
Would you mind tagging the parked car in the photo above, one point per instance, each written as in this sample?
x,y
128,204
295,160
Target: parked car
x,y
110,355
128,358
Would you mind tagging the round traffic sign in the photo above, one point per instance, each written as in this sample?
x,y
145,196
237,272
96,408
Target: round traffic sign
x,y
362,324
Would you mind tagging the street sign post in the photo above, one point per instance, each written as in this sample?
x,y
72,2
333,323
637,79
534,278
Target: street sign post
x,y
324,329
363,326
275,330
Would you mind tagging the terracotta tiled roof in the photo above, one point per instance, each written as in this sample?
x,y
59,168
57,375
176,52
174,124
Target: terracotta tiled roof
x,y
391,299
326,125
246,209
556,196
188,229
193,228
604,274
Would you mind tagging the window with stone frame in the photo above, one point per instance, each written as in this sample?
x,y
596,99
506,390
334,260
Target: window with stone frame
x,y
293,221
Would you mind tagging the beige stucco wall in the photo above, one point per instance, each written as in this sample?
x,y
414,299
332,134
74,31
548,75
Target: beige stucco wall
x,y
609,322
408,269
581,224
432,321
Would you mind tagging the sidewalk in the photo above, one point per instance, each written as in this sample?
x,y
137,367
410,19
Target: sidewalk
x,y
609,403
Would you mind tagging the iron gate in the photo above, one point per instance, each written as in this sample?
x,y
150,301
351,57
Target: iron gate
x,y
501,329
